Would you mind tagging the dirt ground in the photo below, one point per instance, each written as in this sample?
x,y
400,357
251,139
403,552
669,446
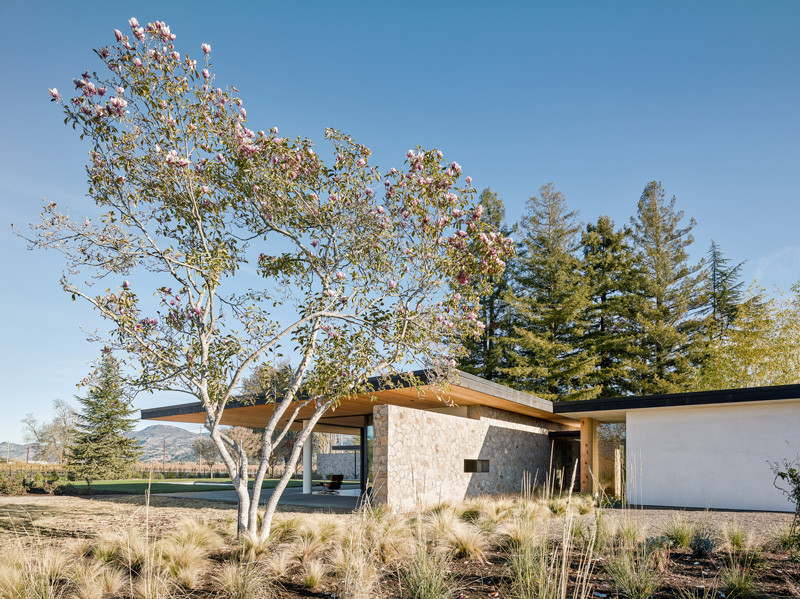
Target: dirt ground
x,y
47,519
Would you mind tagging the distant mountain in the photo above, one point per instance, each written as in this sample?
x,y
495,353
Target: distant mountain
x,y
14,451
178,443
151,439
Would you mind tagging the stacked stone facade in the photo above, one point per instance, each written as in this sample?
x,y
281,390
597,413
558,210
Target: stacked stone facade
x,y
419,455
346,463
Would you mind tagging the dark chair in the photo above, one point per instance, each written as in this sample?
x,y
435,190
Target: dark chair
x,y
333,485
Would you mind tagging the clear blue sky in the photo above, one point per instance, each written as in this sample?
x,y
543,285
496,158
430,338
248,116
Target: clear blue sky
x,y
598,97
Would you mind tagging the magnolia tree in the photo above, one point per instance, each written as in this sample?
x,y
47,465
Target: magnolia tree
x,y
379,269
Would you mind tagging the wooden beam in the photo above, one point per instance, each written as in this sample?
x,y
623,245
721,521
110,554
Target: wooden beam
x,y
589,457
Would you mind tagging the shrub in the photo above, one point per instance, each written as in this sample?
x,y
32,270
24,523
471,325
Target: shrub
x,y
704,540
12,484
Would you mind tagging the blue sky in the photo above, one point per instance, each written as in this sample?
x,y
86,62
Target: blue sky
x,y
598,97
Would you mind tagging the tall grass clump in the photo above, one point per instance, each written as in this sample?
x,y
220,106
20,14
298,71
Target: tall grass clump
x,y
738,581
542,567
313,573
95,580
243,581
634,571
426,575
735,537
354,560
465,541
679,532
39,573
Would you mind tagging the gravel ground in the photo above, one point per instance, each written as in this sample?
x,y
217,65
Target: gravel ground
x,y
30,517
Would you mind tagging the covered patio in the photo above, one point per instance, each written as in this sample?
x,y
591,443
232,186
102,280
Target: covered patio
x,y
469,398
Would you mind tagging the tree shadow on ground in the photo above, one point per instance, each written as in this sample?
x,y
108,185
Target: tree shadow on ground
x,y
200,504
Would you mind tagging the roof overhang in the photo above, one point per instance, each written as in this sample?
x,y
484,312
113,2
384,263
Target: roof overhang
x,y
349,415
616,409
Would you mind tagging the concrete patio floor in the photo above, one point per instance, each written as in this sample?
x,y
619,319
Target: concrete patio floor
x,y
347,499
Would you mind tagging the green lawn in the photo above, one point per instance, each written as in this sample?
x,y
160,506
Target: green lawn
x,y
139,486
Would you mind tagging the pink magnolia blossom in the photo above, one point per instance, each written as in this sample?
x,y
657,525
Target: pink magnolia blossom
x,y
206,74
361,162
469,180
340,275
137,61
118,35
206,48
221,158
392,284
54,92
133,22
125,284
315,243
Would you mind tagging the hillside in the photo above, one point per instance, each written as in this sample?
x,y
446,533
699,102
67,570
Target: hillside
x,y
178,443
14,451
151,439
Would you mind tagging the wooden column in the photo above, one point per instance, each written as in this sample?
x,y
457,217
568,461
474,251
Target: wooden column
x,y
589,455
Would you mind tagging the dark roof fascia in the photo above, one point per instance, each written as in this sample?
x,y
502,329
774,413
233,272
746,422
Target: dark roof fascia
x,y
673,400
378,383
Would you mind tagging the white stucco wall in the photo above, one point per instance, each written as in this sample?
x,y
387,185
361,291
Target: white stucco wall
x,y
711,456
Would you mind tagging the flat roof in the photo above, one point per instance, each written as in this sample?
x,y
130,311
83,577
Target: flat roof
x,y
348,416
614,409
468,389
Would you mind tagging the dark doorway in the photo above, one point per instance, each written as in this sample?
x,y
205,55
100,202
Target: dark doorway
x,y
566,455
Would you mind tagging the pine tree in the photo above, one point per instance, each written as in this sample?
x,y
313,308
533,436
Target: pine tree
x,y
725,290
670,330
549,299
488,355
615,282
100,449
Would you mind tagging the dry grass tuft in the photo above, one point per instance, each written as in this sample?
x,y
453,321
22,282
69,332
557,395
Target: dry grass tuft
x,y
95,580
313,573
195,533
243,581
465,541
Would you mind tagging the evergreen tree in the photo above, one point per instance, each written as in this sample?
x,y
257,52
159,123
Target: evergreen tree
x,y
670,330
615,283
100,449
760,347
549,298
725,290
488,355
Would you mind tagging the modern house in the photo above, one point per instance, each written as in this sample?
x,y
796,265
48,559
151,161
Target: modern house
x,y
702,450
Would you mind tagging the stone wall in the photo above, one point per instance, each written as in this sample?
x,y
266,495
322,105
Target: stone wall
x,y
339,462
419,455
